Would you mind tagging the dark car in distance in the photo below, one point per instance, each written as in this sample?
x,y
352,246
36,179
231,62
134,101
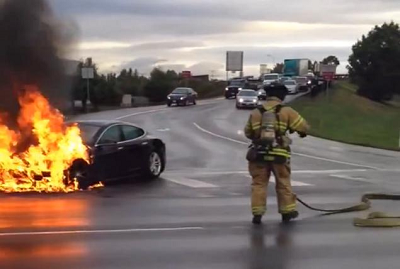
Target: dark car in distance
x,y
234,87
182,96
117,150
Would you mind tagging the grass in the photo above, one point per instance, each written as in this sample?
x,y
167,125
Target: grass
x,y
344,116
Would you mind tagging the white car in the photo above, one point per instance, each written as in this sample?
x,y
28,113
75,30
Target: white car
x,y
247,98
292,86
269,78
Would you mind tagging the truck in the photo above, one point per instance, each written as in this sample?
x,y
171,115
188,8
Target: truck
x,y
295,67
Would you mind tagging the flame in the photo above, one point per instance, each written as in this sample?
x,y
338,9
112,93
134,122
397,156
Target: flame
x,y
41,167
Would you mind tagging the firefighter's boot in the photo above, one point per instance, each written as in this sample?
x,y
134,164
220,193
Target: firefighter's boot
x,y
287,217
257,219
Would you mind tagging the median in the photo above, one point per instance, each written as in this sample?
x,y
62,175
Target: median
x,y
342,115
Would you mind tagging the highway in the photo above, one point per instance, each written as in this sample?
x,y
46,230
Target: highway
x,y
198,214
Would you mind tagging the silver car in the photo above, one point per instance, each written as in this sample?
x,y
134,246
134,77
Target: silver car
x,y
292,86
247,98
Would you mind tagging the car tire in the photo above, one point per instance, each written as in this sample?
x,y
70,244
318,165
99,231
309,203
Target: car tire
x,y
194,102
79,170
154,165
169,104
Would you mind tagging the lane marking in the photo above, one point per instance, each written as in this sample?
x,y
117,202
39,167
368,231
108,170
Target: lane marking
x,y
164,109
294,183
103,231
247,172
191,183
294,153
141,113
353,178
219,136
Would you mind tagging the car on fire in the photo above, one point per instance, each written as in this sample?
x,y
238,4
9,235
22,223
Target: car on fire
x,y
118,150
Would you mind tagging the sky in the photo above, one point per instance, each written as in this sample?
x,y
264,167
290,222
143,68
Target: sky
x,y
195,34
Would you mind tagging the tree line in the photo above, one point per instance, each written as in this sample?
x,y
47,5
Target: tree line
x,y
374,65
108,89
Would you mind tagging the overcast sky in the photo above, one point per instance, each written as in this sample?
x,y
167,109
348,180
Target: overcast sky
x,y
195,34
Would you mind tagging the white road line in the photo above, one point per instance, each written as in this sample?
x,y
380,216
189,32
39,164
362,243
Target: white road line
x,y
294,183
298,154
164,109
335,161
353,178
103,231
219,136
246,172
140,113
191,183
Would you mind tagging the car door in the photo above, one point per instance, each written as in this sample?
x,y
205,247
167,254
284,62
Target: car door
x,y
108,154
134,148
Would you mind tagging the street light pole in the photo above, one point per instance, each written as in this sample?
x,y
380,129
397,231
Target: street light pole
x,y
272,57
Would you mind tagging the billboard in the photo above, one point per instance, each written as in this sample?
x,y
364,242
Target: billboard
x,y
234,61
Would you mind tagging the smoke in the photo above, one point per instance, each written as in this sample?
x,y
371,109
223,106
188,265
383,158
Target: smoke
x,y
31,48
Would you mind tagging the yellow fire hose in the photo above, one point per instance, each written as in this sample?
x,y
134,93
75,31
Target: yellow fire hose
x,y
374,219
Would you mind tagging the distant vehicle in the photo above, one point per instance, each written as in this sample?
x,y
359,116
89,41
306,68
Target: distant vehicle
x,y
118,150
295,67
247,98
302,83
269,78
283,79
253,83
234,87
182,96
292,86
262,95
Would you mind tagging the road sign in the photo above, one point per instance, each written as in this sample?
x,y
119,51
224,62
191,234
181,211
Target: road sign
x,y
186,74
328,76
234,61
88,73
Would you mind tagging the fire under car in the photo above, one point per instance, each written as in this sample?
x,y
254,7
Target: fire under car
x,y
117,150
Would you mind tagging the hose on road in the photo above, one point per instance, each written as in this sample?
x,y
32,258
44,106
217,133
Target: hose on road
x,y
374,219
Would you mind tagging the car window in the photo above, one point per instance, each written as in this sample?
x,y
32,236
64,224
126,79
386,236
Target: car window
x,y
270,77
88,132
289,83
131,132
112,135
180,91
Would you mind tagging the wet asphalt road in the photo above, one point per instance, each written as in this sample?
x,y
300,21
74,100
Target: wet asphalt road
x,y
198,214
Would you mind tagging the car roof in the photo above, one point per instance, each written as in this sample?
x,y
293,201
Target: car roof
x,y
100,123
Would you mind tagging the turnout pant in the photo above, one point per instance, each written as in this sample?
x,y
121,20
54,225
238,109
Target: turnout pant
x,y
261,173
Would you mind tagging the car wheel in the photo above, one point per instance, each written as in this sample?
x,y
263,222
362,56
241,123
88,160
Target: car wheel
x,y
194,102
79,171
169,104
154,165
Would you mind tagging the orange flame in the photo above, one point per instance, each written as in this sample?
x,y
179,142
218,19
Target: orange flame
x,y
53,152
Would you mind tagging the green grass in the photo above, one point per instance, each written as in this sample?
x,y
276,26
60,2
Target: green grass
x,y
344,116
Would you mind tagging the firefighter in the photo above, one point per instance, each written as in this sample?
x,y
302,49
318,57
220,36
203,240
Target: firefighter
x,y
269,153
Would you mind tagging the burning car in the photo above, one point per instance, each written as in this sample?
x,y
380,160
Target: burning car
x,y
117,150
44,154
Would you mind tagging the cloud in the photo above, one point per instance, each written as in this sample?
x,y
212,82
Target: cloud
x,y
196,34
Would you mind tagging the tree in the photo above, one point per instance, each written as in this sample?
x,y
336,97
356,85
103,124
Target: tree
x,y
159,85
331,60
374,64
278,68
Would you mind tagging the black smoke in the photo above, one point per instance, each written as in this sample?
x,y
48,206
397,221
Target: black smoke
x,y
31,47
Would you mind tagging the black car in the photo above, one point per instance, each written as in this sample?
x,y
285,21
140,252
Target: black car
x,y
234,87
117,150
182,96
